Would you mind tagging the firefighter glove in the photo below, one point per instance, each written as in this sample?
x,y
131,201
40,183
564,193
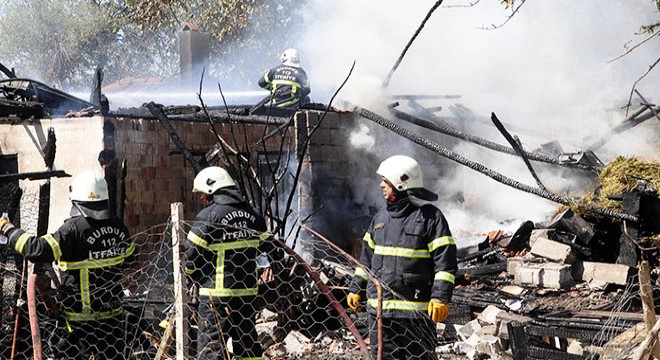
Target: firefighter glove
x,y
352,300
5,225
438,310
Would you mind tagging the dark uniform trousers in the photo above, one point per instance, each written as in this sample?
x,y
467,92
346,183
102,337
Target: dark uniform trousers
x,y
220,320
404,339
78,340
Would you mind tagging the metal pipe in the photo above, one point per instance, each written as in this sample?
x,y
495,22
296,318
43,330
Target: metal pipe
x,y
325,290
372,278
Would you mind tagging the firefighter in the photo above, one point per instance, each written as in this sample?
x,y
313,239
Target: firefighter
x,y
91,250
409,248
287,83
221,258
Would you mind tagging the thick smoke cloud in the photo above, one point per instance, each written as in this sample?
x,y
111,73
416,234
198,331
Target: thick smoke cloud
x,y
547,69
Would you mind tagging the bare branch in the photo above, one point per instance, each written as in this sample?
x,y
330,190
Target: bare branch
x,y
513,13
386,82
635,46
638,80
471,4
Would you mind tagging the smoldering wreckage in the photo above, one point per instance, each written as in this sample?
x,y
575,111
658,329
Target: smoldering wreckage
x,y
545,291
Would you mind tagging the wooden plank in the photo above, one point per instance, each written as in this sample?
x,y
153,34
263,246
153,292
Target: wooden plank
x,y
180,293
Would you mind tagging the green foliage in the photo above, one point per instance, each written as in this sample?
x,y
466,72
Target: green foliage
x,y
66,40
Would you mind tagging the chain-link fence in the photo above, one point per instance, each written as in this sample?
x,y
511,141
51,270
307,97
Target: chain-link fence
x,y
296,309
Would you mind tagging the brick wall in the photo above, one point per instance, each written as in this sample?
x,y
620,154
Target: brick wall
x,y
158,174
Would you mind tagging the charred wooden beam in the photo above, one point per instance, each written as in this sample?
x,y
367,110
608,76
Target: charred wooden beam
x,y
39,175
425,97
21,109
631,121
95,96
515,144
482,169
9,73
465,114
158,112
648,105
452,131
121,192
219,117
482,269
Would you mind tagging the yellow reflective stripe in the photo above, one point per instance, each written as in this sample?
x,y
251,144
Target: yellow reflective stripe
x,y
189,271
84,291
264,236
287,82
100,263
89,316
220,289
220,270
441,241
228,292
234,245
20,243
197,240
287,103
54,245
445,276
400,305
367,238
361,273
401,252
266,79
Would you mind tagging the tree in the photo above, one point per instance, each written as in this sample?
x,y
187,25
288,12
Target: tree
x,y
66,40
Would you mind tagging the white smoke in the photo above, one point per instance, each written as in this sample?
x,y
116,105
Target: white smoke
x,y
361,139
548,69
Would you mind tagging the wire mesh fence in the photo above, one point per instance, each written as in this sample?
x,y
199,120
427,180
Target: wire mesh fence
x,y
296,309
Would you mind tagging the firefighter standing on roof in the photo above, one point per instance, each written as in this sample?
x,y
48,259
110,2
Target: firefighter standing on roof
x,y
90,249
409,248
221,257
287,83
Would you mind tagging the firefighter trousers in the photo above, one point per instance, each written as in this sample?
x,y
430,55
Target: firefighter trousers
x,y
221,320
404,338
105,339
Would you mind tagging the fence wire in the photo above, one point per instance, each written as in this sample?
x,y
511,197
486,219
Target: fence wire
x,y
298,310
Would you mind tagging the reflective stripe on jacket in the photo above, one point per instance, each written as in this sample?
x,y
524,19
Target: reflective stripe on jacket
x,y
413,254
287,84
222,249
90,255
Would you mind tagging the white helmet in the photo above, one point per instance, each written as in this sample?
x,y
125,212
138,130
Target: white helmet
x,y
89,186
290,57
402,172
212,178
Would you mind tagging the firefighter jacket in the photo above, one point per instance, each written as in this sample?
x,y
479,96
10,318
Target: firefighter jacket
x,y
411,251
222,248
288,85
90,255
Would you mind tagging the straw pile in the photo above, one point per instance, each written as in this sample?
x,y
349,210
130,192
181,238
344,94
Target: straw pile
x,y
620,176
